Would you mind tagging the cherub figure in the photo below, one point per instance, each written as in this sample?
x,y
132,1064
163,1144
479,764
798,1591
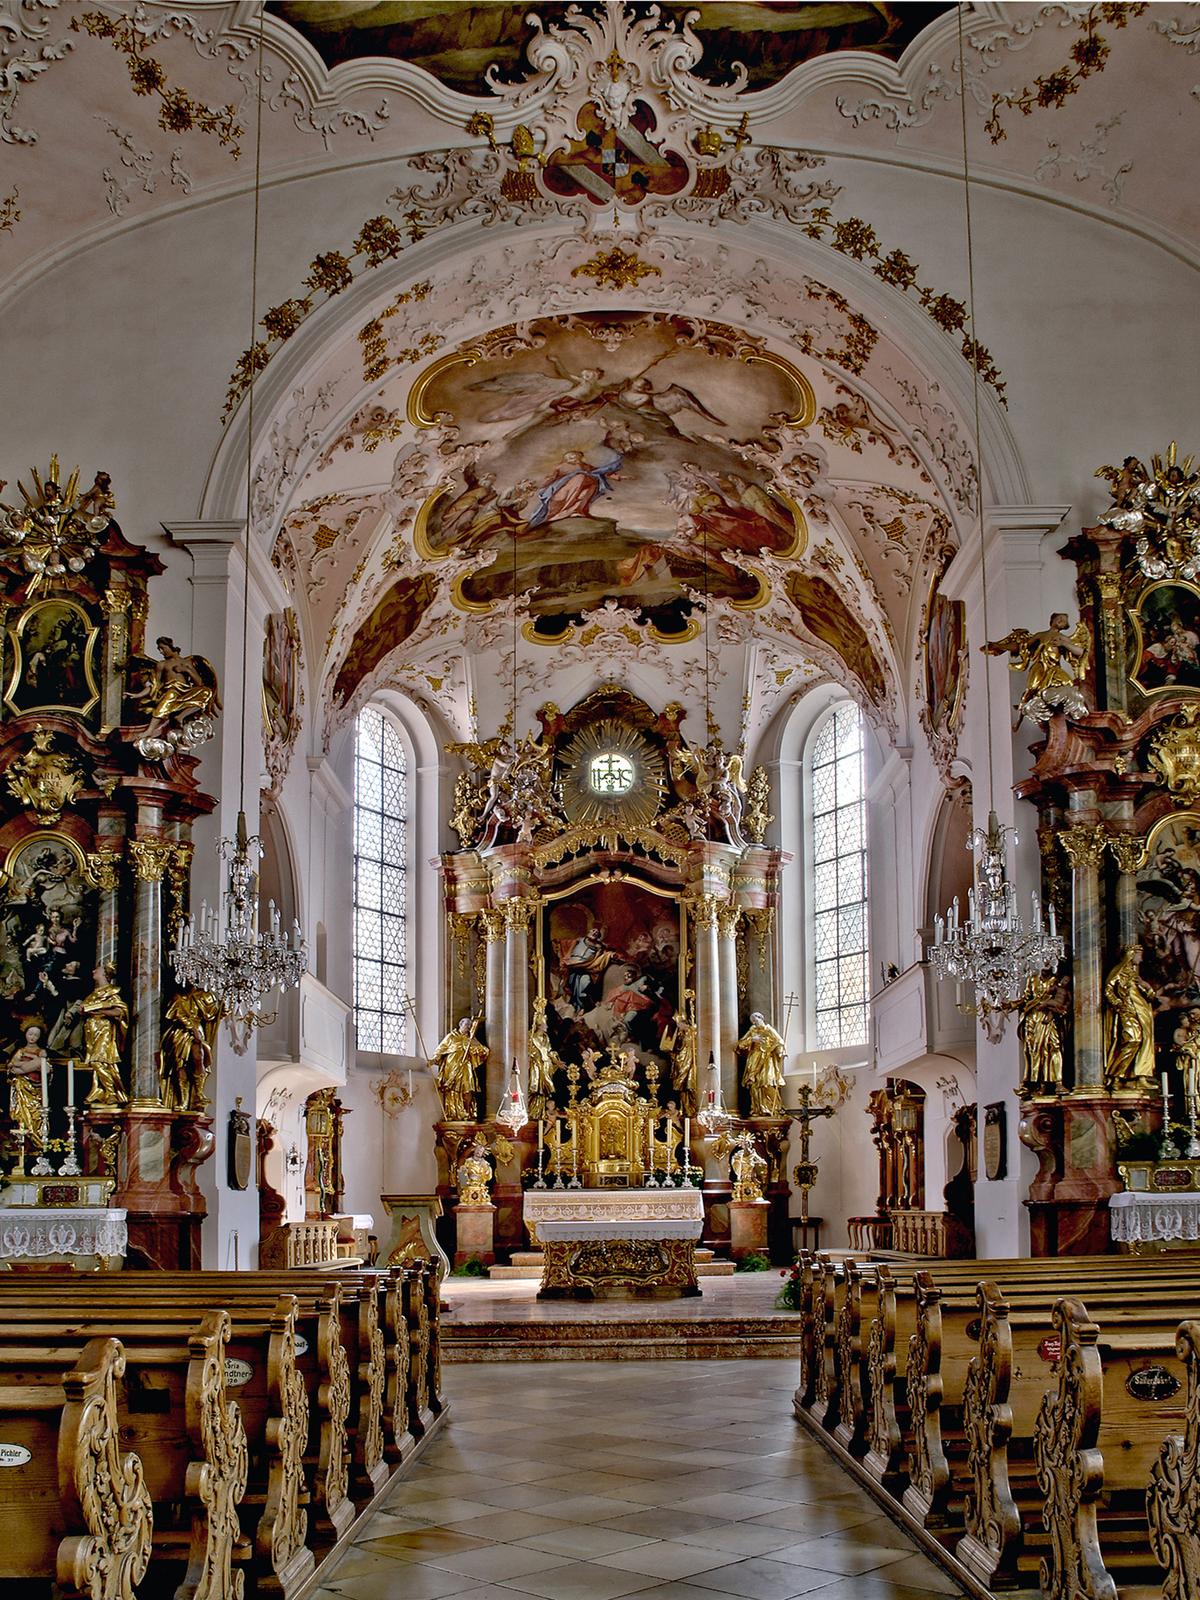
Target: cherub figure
x,y
181,695
1055,662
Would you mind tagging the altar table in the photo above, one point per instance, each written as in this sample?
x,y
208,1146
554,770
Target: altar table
x,y
614,1241
86,1237
1154,1218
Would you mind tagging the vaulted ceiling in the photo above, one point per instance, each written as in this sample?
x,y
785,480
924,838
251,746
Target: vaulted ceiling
x,y
621,360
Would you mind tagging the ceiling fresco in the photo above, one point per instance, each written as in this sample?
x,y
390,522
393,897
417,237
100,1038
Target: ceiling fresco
x,y
612,457
457,44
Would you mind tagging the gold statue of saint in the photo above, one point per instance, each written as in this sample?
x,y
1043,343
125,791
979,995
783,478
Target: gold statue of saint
x,y
543,1063
1054,661
1046,999
105,1024
455,1067
474,1176
187,1050
1187,1059
762,1073
1128,1025
680,1040
25,1087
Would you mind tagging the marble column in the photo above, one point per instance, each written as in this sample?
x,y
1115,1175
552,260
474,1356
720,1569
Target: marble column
x,y
728,917
151,858
517,914
494,1009
708,978
460,999
104,865
1084,845
1129,852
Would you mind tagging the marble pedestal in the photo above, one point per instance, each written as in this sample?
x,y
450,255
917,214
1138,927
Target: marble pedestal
x,y
475,1234
748,1228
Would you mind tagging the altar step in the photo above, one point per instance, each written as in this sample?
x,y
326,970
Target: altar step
x,y
609,1337
527,1264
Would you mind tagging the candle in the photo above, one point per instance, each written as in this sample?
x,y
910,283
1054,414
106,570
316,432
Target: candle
x,y
1053,929
540,1129
558,1131
71,1084
410,1084
687,1141
1166,1089
45,1082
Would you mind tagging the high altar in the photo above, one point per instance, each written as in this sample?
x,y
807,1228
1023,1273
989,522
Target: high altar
x,y
611,923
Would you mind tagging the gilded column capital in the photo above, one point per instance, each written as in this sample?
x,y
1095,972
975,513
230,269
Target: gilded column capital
x,y
461,923
151,858
518,913
728,917
1084,844
494,923
1128,850
103,866
704,909
115,602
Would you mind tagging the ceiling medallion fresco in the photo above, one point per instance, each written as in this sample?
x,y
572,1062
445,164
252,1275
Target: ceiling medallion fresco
x,y
612,457
460,45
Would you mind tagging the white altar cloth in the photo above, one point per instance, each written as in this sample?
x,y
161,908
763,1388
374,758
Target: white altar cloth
x,y
615,1213
32,1233
1146,1218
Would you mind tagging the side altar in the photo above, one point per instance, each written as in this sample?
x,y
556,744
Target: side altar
x,y
611,935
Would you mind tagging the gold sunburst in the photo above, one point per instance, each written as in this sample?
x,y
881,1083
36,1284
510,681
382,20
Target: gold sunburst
x,y
638,803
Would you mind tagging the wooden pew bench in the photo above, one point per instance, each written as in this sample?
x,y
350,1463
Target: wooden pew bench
x,y
74,1508
271,1399
186,1432
1099,1439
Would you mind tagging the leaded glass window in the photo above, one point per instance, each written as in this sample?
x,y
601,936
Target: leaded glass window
x,y
838,908
380,884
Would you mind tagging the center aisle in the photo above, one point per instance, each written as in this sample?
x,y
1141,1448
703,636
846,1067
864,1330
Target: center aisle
x,y
591,1480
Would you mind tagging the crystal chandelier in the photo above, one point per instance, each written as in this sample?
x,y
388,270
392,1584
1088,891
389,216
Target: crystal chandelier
x,y
992,949
239,964
229,956
512,1113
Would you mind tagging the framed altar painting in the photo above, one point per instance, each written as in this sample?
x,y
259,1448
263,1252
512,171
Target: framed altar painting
x,y
47,941
1168,889
611,970
1165,630
51,659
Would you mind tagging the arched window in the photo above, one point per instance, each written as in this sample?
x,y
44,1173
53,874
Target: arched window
x,y
838,932
380,884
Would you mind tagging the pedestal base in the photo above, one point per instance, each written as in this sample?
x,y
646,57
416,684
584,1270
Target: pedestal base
x,y
1076,1143
475,1234
748,1228
412,1238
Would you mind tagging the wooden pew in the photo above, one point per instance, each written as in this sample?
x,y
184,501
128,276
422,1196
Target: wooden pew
x,y
188,1436
1095,1450
271,1398
75,1509
1171,1500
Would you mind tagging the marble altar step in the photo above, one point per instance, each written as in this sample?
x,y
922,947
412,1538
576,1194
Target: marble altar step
x,y
609,1336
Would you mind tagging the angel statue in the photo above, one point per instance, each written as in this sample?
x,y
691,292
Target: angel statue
x,y
1055,662
181,695
720,786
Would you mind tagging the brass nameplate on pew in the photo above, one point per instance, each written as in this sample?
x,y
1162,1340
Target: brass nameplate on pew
x,y
1152,1383
1050,1348
14,1455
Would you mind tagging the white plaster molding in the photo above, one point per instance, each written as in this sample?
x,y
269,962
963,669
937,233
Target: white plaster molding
x,y
327,788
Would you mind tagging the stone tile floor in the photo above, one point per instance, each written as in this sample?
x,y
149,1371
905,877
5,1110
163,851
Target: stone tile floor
x,y
593,1480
